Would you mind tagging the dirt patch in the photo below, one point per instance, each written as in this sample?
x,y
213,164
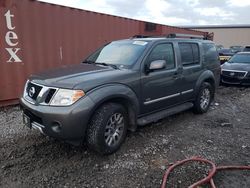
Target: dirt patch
x,y
28,159
196,171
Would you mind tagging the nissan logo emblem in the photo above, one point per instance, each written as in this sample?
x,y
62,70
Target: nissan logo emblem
x,y
232,74
32,91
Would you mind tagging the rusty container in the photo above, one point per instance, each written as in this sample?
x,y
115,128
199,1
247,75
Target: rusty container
x,y
36,36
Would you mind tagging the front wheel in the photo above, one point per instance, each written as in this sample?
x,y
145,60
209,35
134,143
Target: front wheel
x,y
107,129
204,98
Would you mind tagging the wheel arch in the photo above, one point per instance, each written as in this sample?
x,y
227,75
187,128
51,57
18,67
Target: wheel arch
x,y
117,93
208,77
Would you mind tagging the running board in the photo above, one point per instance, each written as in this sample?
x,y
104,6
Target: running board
x,y
162,114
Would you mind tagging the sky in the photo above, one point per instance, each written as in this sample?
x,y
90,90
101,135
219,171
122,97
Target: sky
x,y
170,12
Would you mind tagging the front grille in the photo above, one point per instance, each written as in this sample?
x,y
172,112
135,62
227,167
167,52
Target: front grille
x,y
33,90
50,95
231,80
234,74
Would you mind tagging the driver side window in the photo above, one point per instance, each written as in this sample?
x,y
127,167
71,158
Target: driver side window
x,y
163,52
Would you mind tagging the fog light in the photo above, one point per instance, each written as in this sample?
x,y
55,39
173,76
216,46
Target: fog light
x,y
56,127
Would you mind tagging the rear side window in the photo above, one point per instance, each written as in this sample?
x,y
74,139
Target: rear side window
x,y
163,52
190,54
210,52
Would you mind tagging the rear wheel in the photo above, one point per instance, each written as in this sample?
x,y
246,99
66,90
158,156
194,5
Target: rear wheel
x,y
204,98
108,128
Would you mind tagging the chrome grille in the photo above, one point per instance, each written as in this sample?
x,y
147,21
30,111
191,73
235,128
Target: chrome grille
x,y
33,90
234,73
38,94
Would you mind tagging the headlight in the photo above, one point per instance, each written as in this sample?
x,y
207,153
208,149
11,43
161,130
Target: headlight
x,y
66,97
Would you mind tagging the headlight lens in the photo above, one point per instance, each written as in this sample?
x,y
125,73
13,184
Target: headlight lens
x,y
66,97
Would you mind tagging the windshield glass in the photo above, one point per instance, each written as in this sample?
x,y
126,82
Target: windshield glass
x,y
246,49
225,50
240,58
119,53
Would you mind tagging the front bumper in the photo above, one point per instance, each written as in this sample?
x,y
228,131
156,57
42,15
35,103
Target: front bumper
x,y
64,123
234,80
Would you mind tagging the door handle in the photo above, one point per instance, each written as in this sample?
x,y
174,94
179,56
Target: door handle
x,y
175,76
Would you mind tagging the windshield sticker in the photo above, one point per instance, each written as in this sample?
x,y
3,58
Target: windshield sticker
x,y
142,43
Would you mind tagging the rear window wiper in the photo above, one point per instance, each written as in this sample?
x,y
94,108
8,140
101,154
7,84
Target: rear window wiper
x,y
101,63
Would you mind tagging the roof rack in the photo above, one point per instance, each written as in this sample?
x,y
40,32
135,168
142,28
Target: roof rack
x,y
141,36
180,35
173,35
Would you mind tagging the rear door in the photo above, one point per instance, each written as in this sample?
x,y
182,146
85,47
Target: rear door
x,y
191,61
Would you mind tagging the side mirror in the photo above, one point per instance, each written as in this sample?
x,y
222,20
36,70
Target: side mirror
x,y
158,64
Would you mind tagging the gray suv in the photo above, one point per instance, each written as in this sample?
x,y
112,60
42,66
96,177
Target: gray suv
x,y
124,84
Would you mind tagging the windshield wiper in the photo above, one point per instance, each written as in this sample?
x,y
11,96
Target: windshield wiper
x,y
106,64
101,63
88,61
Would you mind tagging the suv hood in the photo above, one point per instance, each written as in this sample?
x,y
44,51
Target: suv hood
x,y
236,66
69,76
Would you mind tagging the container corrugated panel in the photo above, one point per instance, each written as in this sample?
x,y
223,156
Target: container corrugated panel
x,y
36,36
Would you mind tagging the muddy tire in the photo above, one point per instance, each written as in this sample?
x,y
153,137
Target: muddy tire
x,y
204,98
108,128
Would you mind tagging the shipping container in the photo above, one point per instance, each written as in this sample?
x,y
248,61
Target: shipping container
x,y
36,36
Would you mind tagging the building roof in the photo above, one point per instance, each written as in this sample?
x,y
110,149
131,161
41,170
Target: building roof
x,y
216,26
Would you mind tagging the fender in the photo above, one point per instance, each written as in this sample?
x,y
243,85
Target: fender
x,y
109,92
207,75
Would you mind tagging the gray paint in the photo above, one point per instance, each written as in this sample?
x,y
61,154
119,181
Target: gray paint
x,y
143,93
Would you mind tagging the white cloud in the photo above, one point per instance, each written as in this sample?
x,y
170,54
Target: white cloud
x,y
239,3
203,22
193,3
216,11
97,6
176,21
169,12
154,10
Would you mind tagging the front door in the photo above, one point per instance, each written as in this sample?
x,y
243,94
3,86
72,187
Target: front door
x,y
160,88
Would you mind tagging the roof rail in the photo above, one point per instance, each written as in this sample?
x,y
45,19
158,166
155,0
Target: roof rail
x,y
180,35
141,36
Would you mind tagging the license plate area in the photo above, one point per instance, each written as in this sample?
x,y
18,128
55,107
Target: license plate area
x,y
26,120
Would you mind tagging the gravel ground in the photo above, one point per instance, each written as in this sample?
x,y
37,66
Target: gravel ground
x,y
29,159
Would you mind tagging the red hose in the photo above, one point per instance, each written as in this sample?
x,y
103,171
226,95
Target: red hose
x,y
207,179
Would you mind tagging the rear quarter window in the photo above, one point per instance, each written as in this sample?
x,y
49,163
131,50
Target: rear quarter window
x,y
210,52
190,54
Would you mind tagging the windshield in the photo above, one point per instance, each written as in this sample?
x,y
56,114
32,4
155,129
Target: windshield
x,y
121,53
240,58
236,47
225,50
246,49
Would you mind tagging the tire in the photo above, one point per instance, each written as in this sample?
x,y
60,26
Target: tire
x,y
204,98
107,129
